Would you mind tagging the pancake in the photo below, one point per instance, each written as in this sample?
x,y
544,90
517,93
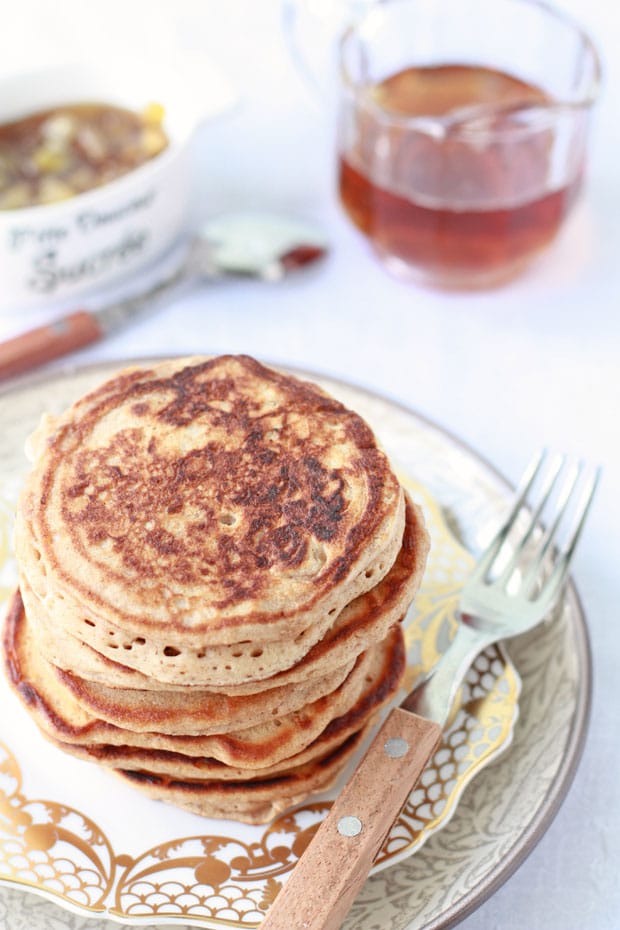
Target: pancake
x,y
364,621
214,559
216,666
201,768
257,801
206,502
380,686
60,716
199,712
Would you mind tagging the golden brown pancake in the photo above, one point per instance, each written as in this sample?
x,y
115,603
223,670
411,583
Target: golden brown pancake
x,y
199,713
248,665
379,687
204,768
257,801
62,717
363,622
214,558
207,501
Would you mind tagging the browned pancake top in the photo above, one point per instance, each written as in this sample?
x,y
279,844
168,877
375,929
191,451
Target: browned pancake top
x,y
201,491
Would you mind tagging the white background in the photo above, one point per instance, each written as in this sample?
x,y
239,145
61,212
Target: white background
x,y
533,364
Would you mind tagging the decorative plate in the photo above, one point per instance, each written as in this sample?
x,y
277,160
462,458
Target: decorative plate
x,y
71,832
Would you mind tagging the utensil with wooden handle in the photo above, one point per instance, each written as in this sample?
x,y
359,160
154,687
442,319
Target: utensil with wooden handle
x,y
509,591
258,245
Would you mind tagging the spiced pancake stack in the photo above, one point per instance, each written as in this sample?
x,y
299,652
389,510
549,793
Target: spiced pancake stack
x,y
214,560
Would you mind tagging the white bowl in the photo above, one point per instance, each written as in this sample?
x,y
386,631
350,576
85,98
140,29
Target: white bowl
x,y
71,248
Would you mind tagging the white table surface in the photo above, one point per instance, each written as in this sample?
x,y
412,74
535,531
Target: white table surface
x,y
535,363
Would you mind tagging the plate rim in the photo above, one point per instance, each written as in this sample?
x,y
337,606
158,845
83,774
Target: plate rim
x,y
575,744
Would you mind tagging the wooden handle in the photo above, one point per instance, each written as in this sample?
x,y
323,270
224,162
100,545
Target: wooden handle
x,y
333,868
47,342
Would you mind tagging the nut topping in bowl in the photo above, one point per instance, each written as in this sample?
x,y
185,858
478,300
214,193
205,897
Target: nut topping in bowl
x,y
100,191
57,153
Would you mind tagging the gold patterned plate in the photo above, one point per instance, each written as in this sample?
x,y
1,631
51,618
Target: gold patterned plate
x,y
74,834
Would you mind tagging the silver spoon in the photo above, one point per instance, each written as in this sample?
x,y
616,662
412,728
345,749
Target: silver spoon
x,y
257,245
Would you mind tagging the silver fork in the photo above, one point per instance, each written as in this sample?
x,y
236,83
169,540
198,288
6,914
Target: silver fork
x,y
507,593
497,606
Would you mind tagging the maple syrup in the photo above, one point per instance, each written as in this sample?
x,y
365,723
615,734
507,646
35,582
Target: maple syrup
x,y
463,209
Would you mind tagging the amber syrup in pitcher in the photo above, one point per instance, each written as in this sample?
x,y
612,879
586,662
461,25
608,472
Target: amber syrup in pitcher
x,y
466,209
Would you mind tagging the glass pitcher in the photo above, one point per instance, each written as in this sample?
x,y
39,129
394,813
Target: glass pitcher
x,y
462,126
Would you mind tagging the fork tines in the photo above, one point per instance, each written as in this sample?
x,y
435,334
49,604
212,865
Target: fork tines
x,y
543,534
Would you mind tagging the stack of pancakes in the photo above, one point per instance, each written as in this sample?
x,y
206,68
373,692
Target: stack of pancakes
x,y
214,559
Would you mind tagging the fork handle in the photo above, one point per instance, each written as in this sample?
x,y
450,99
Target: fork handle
x,y
434,696
333,868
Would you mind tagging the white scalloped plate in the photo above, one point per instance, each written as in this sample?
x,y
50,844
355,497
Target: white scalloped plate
x,y
97,848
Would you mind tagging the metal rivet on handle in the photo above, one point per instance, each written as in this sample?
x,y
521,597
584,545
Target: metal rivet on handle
x,y
396,748
349,826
